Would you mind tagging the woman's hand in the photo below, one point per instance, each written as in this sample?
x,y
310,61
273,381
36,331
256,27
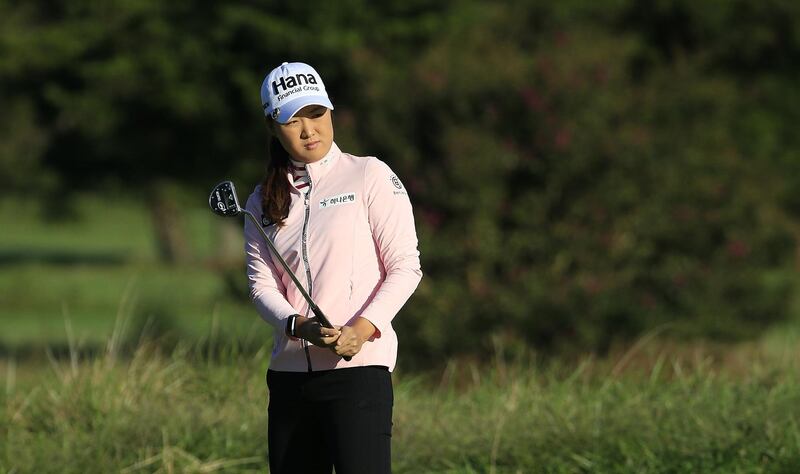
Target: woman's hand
x,y
353,337
312,331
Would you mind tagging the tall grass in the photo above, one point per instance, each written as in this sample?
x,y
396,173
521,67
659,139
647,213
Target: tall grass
x,y
661,409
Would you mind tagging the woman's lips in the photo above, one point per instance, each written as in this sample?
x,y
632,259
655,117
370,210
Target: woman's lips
x,y
311,146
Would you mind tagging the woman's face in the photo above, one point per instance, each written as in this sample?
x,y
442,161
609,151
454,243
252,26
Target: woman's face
x,y
308,135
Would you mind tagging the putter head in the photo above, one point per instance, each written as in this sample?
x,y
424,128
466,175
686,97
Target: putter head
x,y
223,200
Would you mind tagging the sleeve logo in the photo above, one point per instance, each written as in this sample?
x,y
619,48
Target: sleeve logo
x,y
396,181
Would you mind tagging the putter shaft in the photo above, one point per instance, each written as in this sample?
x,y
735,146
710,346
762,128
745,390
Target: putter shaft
x,y
224,202
317,312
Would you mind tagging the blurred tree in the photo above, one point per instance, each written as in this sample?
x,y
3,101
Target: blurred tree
x,y
22,143
575,196
581,171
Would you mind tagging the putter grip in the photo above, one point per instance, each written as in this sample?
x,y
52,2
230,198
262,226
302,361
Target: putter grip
x,y
325,322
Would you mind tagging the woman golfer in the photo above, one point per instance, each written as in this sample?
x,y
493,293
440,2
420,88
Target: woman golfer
x,y
344,225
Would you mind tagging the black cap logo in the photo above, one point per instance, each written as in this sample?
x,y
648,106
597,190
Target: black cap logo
x,y
275,113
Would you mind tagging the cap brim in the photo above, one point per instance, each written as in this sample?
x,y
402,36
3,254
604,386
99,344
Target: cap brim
x,y
290,109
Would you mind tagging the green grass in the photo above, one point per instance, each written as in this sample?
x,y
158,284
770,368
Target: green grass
x,y
100,264
38,300
666,409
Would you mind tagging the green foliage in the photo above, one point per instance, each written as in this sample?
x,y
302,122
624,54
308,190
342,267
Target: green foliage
x,y
577,203
581,171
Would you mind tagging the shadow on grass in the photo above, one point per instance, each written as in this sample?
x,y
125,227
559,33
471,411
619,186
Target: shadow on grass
x,y
157,323
204,349
154,326
63,257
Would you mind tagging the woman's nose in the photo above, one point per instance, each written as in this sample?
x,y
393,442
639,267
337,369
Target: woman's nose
x,y
306,130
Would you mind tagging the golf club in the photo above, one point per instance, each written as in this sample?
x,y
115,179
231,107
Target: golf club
x,y
224,202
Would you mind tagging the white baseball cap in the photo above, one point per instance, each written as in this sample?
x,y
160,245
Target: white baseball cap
x,y
290,87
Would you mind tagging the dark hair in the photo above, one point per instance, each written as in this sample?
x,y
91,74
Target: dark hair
x,y
275,196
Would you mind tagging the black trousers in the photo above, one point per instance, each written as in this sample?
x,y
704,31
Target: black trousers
x,y
341,418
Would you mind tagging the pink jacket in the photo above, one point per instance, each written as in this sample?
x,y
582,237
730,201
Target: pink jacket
x,y
353,238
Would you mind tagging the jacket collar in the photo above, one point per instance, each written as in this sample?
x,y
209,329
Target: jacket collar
x,y
318,169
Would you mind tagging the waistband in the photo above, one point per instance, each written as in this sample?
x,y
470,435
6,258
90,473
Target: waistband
x,y
317,373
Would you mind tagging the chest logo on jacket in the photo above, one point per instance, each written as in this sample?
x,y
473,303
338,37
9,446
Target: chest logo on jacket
x,y
346,198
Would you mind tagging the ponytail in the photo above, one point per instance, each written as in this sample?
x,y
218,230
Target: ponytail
x,y
275,197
